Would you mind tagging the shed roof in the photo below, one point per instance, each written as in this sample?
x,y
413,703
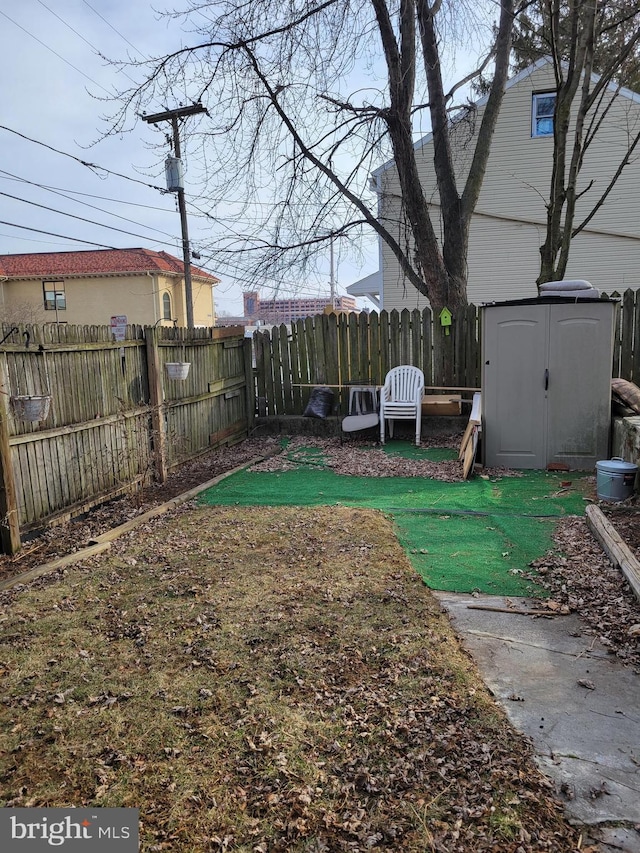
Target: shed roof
x,y
95,262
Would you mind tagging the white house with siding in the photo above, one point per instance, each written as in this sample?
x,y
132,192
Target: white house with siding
x,y
508,226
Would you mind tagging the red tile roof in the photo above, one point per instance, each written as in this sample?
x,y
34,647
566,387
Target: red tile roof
x,y
95,262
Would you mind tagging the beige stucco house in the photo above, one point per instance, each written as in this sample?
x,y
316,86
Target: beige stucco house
x,y
508,226
92,287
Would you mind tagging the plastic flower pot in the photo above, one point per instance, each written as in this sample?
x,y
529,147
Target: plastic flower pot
x,y
177,369
31,407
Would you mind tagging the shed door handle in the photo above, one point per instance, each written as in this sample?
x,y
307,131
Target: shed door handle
x,y
546,380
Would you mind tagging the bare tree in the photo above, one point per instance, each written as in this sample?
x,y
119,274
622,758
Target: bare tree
x,y
584,101
21,313
300,114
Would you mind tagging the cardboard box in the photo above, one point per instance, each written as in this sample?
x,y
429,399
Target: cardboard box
x,y
441,404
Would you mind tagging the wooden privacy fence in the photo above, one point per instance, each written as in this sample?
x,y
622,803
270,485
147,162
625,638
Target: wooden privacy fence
x,y
339,350
626,353
116,419
348,349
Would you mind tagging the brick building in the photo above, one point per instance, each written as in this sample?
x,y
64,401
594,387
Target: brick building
x,y
289,310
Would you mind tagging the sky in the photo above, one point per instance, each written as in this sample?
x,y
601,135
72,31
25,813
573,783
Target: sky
x,y
52,118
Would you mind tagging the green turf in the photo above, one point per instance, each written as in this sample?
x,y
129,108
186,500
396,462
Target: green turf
x,y
466,553
409,451
534,493
475,535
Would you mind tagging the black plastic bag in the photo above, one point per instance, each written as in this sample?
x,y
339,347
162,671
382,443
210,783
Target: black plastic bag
x,y
320,403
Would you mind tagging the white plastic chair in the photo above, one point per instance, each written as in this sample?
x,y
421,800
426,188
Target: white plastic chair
x,y
401,398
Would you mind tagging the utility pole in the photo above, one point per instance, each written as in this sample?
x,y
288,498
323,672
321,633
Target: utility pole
x,y
173,116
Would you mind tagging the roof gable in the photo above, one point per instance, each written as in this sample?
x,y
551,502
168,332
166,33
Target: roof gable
x,y
511,82
95,262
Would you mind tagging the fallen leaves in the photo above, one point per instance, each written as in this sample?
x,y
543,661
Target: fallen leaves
x,y
331,709
582,580
368,459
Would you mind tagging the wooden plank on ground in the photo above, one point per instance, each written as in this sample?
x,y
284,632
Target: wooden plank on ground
x,y
470,452
475,420
615,547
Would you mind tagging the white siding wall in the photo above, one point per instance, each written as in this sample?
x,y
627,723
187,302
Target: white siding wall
x,y
504,255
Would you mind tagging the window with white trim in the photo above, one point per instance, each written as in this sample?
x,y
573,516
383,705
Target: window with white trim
x,y
542,113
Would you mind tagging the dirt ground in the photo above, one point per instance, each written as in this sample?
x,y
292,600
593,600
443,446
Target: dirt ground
x,y
576,574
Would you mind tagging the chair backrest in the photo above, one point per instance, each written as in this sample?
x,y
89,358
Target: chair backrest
x,y
405,383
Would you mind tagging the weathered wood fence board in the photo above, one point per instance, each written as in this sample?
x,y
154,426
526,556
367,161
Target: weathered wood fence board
x,y
361,349
626,350
115,419
341,350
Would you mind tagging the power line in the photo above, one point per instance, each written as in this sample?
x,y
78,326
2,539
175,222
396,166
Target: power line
x,y
114,29
55,53
199,212
83,219
11,176
93,166
86,204
51,234
62,21
39,241
85,40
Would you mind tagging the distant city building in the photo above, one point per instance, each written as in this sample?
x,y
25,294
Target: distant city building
x,y
290,310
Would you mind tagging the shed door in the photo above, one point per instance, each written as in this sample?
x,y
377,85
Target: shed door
x,y
580,350
515,345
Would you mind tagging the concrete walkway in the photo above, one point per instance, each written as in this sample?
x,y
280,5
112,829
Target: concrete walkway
x,y
578,704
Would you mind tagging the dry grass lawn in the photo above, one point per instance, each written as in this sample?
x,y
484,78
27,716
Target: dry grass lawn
x,y
262,680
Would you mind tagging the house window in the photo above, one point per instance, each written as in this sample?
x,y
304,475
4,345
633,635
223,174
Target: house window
x,y
542,113
166,306
54,296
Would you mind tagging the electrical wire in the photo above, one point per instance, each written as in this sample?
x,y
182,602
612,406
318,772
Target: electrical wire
x,y
11,176
52,234
85,40
32,240
55,53
198,211
117,32
83,219
62,21
95,207
93,166
280,286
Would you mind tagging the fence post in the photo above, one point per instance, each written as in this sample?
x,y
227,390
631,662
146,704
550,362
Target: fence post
x,y
158,428
9,520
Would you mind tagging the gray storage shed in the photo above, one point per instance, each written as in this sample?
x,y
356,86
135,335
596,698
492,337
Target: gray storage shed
x,y
546,382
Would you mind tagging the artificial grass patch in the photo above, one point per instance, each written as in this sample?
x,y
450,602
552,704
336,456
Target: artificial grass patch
x,y
535,493
462,536
463,553
409,451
